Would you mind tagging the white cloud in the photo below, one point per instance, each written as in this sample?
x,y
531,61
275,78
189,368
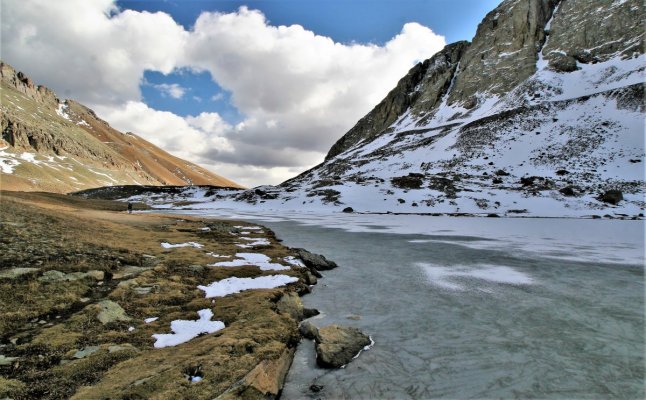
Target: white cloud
x,y
173,90
186,138
298,91
88,50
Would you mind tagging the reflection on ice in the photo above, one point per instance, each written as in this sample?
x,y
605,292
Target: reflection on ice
x,y
444,276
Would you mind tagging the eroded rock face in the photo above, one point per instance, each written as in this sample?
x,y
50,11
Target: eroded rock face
x,y
338,345
25,85
504,50
424,84
593,31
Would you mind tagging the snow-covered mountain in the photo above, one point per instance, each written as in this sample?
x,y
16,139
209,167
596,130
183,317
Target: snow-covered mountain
x,y
62,146
542,114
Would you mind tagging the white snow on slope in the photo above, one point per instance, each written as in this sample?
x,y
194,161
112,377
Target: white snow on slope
x,y
187,244
184,330
256,259
236,285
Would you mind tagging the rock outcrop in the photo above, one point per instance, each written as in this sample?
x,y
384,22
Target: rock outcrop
x,y
425,83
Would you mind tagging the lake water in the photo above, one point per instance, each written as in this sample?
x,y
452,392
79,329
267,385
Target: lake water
x,y
475,307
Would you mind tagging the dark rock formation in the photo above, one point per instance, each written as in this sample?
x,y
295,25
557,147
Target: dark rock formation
x,y
611,196
316,261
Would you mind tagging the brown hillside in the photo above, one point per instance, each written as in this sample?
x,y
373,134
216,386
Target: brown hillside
x,y
56,146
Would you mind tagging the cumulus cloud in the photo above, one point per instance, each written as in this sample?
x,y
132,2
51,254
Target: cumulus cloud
x,y
298,91
89,50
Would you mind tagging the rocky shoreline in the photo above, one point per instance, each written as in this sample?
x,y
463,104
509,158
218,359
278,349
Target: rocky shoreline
x,y
90,293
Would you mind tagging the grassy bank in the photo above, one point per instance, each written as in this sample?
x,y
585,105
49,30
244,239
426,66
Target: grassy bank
x,y
64,258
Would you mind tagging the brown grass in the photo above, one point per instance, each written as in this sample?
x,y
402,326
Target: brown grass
x,y
44,324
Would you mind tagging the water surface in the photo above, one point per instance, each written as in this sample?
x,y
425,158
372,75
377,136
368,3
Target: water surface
x,y
475,307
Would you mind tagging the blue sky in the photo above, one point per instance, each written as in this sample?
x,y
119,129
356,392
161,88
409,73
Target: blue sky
x,y
362,21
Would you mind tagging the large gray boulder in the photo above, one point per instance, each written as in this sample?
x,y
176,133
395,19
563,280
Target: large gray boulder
x,y
338,345
316,261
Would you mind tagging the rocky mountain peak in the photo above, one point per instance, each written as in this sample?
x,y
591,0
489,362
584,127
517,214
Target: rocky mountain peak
x,y
504,50
425,84
25,85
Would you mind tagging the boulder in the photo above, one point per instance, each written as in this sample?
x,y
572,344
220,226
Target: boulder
x,y
348,210
15,273
338,345
316,261
568,191
308,331
291,304
612,196
111,312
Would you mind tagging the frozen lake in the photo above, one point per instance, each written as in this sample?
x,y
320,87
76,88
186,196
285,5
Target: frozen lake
x,y
474,307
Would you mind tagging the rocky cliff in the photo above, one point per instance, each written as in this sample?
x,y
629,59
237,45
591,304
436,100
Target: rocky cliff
x,y
62,146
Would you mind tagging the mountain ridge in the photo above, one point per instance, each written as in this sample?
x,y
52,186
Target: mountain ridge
x,y
63,146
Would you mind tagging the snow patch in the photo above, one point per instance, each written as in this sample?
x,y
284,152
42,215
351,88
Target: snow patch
x,y
256,259
184,330
236,285
187,244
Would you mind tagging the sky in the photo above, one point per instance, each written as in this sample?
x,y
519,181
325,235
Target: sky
x,y
256,91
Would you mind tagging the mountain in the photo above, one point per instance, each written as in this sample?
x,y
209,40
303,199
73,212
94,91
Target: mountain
x,y
541,114
62,146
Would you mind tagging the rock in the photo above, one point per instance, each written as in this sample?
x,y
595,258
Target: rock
x,y
310,279
316,388
111,312
58,276
502,172
129,271
52,276
407,182
265,381
348,210
4,360
86,351
308,331
291,304
122,347
96,275
568,191
611,196
337,345
15,273
310,312
316,261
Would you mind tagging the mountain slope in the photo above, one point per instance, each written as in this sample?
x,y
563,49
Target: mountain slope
x,y
58,146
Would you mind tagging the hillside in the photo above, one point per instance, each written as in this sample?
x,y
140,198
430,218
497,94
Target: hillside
x,y
62,146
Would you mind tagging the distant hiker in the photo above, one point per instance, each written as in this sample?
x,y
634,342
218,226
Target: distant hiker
x,y
129,208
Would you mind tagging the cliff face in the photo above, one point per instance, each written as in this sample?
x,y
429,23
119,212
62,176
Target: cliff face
x,y
541,114
422,88
59,146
